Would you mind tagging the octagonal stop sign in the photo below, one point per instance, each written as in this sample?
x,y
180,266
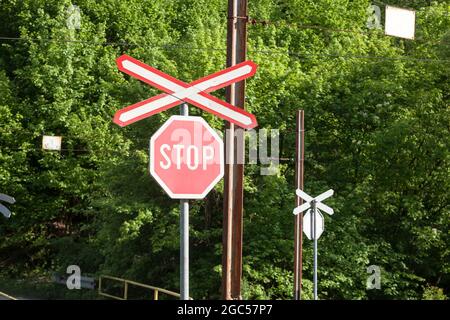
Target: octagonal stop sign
x,y
186,157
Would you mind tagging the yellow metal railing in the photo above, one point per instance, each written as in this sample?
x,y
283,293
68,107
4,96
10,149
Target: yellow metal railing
x,y
7,296
126,283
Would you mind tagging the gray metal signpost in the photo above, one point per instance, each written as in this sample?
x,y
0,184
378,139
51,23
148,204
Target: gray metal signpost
x,y
313,221
184,235
314,228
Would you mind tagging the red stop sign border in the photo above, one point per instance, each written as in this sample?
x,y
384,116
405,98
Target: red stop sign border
x,y
152,157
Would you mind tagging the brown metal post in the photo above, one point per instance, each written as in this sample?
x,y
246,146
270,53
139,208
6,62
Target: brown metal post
x,y
239,147
234,165
299,171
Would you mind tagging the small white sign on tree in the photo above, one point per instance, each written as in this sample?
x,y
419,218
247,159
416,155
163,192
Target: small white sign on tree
x,y
400,22
51,143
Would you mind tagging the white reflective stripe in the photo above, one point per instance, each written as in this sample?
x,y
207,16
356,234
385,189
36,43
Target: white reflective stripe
x,y
228,76
325,208
302,208
324,195
151,76
223,110
146,108
303,195
6,198
4,210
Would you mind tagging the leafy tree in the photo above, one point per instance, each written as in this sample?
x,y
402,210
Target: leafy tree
x,y
377,121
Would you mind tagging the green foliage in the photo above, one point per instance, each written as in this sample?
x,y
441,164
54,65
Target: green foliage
x,y
434,293
377,131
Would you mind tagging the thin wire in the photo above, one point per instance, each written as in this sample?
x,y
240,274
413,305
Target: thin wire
x,y
176,47
67,40
112,43
283,23
113,151
311,56
301,26
169,46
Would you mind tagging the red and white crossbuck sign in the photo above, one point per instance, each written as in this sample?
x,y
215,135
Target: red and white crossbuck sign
x,y
177,92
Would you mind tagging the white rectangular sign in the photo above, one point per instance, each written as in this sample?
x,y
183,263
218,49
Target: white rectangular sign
x,y
400,22
51,143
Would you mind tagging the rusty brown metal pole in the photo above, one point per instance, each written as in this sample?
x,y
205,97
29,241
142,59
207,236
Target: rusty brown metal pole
x,y
234,153
299,171
239,149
